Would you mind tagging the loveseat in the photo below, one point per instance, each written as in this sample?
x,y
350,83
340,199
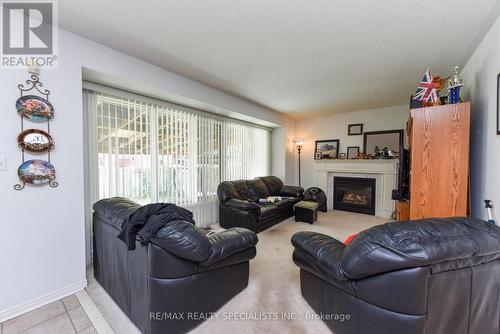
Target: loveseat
x,y
239,202
175,281
428,276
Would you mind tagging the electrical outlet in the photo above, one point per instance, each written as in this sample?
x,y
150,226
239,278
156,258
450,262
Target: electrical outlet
x,y
3,163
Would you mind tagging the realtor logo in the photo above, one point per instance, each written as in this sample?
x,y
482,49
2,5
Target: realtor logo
x,y
29,34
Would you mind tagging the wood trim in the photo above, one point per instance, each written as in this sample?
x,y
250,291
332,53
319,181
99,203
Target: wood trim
x,y
403,210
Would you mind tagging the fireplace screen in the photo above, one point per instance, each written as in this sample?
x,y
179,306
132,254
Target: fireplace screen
x,y
354,194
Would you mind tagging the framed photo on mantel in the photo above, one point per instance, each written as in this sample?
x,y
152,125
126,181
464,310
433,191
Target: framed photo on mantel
x,y
352,152
326,149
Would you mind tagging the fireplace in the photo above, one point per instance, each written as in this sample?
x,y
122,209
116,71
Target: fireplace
x,y
354,194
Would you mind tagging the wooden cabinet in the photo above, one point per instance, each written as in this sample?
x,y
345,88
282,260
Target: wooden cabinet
x,y
402,210
439,150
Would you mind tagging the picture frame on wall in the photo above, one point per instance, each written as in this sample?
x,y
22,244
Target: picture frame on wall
x,y
392,139
326,149
498,104
355,129
352,152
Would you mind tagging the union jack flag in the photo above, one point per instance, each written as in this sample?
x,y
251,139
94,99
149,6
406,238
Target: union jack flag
x,y
427,89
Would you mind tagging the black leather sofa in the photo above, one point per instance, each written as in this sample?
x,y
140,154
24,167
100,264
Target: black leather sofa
x,y
432,276
239,202
182,271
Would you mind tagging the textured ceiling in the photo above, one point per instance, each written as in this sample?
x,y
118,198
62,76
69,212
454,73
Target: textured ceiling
x,y
298,57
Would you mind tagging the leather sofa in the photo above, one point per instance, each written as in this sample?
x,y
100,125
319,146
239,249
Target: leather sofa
x,y
183,270
414,277
239,202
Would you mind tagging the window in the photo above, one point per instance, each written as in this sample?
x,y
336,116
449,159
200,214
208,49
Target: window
x,y
160,152
124,149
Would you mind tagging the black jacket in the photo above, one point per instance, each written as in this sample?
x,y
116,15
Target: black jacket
x,y
148,219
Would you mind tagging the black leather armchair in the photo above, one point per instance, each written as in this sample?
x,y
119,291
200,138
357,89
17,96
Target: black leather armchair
x,y
239,202
414,277
183,269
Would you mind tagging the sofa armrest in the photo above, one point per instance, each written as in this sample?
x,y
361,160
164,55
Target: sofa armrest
x,y
229,242
320,250
243,205
292,191
184,240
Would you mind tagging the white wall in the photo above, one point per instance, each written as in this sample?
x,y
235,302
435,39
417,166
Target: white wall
x,y
335,127
480,79
282,159
42,253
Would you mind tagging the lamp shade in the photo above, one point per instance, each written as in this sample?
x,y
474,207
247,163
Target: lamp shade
x,y
299,142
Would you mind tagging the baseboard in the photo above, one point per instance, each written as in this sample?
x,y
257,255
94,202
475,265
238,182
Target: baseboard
x,y
41,301
94,315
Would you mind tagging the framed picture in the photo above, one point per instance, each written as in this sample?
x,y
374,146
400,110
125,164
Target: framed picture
x,y
355,129
326,149
498,104
352,152
342,156
392,139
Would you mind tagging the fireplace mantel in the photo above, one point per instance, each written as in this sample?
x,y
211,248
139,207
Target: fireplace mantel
x,y
383,171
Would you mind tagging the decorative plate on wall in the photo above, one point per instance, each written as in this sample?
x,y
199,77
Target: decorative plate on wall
x,y
35,140
36,172
34,108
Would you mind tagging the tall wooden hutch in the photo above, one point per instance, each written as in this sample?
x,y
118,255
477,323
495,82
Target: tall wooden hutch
x,y
438,140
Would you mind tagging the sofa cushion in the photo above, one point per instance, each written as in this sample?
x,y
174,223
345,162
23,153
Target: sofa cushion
x,y
115,211
184,240
257,188
286,202
267,211
226,243
292,191
242,189
273,184
243,205
400,245
283,203
236,258
226,191
321,250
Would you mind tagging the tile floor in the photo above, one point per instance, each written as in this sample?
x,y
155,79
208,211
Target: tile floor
x,y
65,316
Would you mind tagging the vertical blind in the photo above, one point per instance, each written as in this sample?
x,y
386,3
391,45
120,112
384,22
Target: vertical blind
x,y
156,152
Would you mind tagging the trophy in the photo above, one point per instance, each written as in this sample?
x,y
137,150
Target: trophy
x,y
454,85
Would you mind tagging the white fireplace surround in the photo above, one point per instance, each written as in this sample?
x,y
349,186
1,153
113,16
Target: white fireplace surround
x,y
385,173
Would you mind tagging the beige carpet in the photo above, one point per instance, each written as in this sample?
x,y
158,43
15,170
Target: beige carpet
x,y
273,286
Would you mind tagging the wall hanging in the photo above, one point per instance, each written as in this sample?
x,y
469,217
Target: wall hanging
x,y
35,140
326,149
36,109
355,129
